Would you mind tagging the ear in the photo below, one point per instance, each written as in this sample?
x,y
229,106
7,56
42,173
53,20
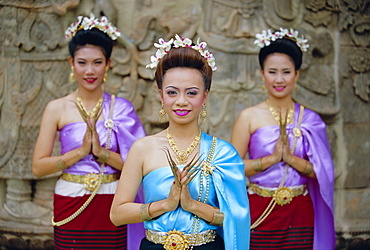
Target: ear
x,y
297,72
160,95
206,96
261,72
70,60
108,63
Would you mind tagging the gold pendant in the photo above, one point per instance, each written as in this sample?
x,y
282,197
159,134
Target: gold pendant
x,y
297,132
181,157
283,196
175,240
91,181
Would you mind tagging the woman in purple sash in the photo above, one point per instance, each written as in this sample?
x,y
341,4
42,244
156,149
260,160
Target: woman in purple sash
x,y
289,168
96,131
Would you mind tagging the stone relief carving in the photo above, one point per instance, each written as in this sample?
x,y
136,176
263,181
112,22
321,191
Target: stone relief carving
x,y
354,18
360,63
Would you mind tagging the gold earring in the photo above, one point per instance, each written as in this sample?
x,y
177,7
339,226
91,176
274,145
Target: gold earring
x,y
263,87
72,77
203,114
105,78
162,114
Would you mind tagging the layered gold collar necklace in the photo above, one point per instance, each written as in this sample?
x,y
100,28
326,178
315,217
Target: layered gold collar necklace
x,y
93,112
277,115
182,155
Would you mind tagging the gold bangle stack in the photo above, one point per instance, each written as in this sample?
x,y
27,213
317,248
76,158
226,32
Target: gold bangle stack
x,y
144,212
218,218
103,158
308,169
61,165
257,165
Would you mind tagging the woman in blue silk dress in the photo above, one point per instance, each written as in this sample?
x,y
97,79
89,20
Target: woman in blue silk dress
x,y
289,166
93,145
207,209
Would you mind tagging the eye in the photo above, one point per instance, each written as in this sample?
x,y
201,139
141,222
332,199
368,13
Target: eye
x,y
99,62
192,92
171,92
81,62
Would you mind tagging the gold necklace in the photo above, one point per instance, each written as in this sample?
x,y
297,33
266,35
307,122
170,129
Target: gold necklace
x,y
277,115
182,155
95,110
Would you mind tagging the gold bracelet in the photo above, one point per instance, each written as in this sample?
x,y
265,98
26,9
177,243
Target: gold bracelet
x,y
103,158
257,165
60,164
218,218
144,212
308,170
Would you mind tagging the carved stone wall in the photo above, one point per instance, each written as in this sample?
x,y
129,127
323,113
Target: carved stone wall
x,y
335,82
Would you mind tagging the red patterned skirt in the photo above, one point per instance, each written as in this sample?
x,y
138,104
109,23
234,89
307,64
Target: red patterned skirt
x,y
287,227
92,229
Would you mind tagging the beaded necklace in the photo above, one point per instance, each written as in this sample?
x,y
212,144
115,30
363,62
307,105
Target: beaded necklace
x,y
182,155
207,170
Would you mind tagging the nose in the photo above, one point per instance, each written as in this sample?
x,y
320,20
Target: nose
x,y
181,100
279,78
89,69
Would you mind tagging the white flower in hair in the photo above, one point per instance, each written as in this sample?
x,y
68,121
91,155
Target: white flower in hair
x,y
181,42
200,46
155,59
266,37
164,47
87,23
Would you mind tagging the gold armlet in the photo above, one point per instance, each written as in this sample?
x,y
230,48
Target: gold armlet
x,y
103,158
218,218
144,212
60,164
257,165
308,169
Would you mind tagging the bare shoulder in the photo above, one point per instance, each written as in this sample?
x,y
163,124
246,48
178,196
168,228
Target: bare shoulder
x,y
251,113
148,141
57,105
149,145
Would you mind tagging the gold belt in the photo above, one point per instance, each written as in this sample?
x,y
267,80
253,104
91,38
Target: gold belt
x,y
90,181
282,195
177,240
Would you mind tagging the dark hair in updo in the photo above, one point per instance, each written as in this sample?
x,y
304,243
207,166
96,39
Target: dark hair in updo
x,y
93,37
184,57
285,46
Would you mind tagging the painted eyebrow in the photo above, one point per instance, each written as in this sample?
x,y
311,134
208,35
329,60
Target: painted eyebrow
x,y
277,69
185,89
83,59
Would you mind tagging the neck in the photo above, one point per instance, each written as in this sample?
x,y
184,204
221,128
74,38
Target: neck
x,y
89,95
188,131
282,104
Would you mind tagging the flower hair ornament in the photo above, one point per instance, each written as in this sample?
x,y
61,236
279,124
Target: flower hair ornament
x,y
88,23
164,47
266,37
